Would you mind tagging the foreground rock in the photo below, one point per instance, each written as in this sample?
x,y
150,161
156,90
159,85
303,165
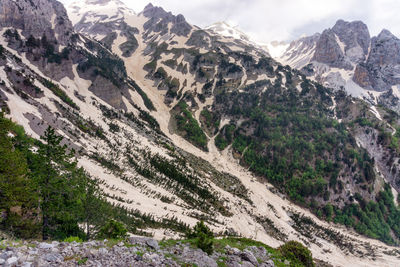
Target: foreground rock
x,y
134,252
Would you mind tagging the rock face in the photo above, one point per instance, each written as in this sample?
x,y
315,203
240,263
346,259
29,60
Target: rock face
x,y
355,36
159,20
329,51
346,57
37,18
140,252
382,65
344,44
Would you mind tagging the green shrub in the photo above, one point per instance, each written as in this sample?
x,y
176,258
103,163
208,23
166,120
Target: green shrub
x,y
297,253
204,237
113,230
73,239
189,127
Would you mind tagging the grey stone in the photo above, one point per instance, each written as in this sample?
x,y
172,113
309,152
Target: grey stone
x,y
34,17
91,243
247,264
13,261
248,256
33,252
235,251
269,263
103,251
53,257
45,246
2,261
153,244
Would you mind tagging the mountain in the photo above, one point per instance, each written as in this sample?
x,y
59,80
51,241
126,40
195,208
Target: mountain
x,y
274,48
346,57
184,124
224,29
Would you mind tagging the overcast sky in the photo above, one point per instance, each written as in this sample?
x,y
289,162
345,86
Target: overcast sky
x,y
268,20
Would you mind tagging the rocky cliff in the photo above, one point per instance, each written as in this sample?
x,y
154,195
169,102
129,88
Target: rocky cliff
x,y
346,57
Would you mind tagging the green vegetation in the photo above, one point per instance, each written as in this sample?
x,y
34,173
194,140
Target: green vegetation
x,y
160,74
104,64
209,121
73,239
129,46
60,93
185,184
203,236
167,82
151,66
290,138
45,195
82,261
114,127
1,51
189,127
293,252
172,63
146,100
225,137
49,49
374,219
12,34
17,198
298,254
113,229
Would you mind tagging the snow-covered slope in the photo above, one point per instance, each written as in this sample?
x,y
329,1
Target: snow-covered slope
x,y
224,29
95,11
275,48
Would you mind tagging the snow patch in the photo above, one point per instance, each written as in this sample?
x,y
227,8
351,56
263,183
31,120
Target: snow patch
x,y
396,91
341,44
276,50
376,113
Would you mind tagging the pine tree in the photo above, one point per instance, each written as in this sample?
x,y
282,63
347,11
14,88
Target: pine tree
x,y
94,206
16,196
55,174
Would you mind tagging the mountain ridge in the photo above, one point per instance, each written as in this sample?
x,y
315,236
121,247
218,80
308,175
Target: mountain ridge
x,y
346,57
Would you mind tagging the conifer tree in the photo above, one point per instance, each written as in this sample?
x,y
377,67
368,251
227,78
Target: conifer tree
x,y
16,196
94,206
55,177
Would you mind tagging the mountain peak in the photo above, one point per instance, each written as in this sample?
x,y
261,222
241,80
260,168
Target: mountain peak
x,y
386,34
353,34
148,6
225,29
344,23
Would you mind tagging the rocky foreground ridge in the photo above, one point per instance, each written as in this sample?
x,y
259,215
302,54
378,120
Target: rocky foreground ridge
x,y
137,251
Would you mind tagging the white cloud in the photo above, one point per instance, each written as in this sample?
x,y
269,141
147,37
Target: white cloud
x,y
267,20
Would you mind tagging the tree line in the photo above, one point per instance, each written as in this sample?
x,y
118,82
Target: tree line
x,y
43,192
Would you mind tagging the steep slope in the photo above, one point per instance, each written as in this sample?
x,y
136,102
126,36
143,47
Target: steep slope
x,y
183,91
346,57
100,112
193,78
